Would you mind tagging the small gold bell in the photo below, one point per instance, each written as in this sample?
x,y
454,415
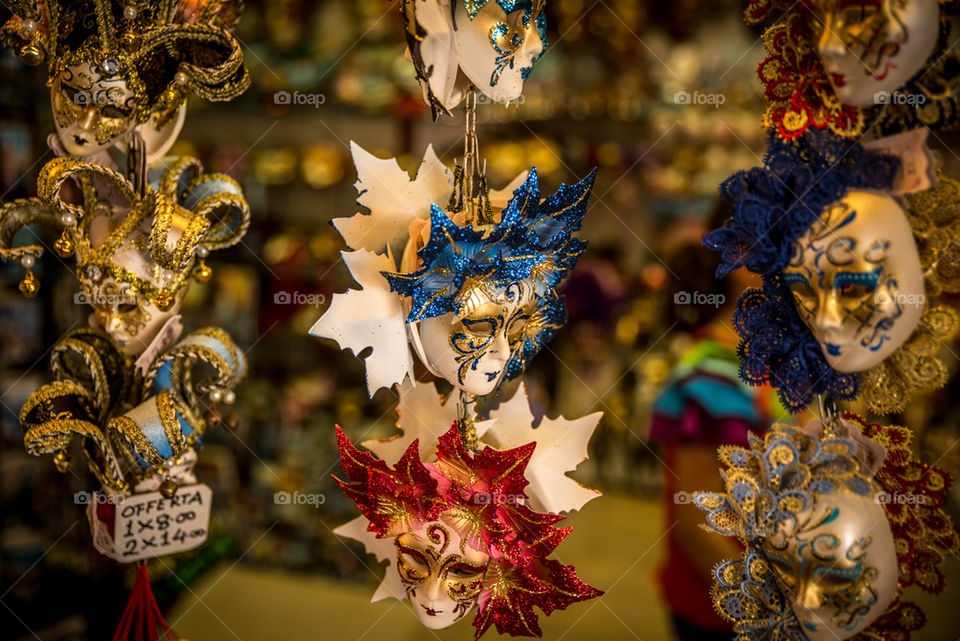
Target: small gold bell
x,y
29,286
163,300
61,461
32,55
168,488
64,245
203,273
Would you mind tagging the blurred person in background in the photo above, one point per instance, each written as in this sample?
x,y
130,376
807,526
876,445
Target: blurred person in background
x,y
703,405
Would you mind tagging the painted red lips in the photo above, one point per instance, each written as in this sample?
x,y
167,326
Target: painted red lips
x,y
838,79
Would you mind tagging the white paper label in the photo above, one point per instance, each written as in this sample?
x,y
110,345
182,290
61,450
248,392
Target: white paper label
x,y
149,525
917,169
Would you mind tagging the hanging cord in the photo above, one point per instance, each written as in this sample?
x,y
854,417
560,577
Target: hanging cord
x,y
142,619
470,193
466,423
829,417
137,162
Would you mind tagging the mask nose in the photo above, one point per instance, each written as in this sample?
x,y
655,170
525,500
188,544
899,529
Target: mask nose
x,y
88,118
829,316
434,591
532,43
500,347
830,46
111,323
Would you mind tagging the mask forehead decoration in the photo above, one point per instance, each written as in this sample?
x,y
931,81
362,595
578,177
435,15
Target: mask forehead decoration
x,y
160,241
161,50
769,216
480,500
818,564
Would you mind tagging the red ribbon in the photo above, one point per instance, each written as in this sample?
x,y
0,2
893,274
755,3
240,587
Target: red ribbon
x,y
142,619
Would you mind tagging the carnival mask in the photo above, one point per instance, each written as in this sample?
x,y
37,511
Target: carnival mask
x,y
134,321
91,110
471,349
871,48
498,42
836,565
856,280
442,575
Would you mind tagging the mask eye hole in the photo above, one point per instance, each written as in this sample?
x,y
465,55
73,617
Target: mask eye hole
x,y
75,96
112,111
851,290
505,38
481,327
126,308
463,572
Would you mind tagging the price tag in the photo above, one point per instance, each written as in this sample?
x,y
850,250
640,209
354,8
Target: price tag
x,y
149,525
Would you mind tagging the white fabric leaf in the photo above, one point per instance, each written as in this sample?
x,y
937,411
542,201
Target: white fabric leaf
x,y
561,447
371,316
424,415
393,198
391,586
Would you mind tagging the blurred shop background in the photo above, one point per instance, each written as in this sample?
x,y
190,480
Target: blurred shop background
x,y
604,95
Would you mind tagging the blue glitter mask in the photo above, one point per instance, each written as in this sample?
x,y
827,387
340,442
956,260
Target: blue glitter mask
x,y
773,206
532,246
505,39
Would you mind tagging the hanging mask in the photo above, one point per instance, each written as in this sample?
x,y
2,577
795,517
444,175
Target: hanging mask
x,y
836,565
441,574
833,528
118,66
91,109
474,301
459,535
483,298
498,42
857,281
137,256
871,47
